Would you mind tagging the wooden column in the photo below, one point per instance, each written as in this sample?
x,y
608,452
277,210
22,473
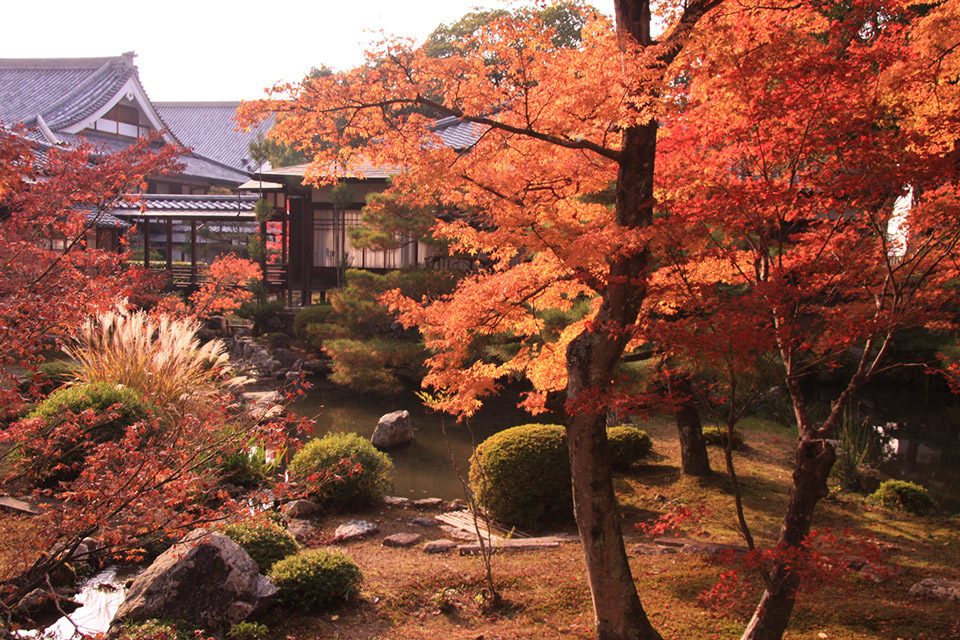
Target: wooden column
x,y
146,243
169,245
306,288
193,253
284,253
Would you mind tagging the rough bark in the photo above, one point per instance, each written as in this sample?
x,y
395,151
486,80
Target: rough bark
x,y
815,458
694,460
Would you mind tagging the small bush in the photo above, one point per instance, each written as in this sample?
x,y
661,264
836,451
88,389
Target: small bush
x,y
904,496
717,437
628,445
115,408
151,630
128,405
277,340
265,541
364,486
315,580
521,476
248,631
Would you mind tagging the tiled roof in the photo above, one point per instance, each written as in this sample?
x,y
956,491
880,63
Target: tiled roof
x,y
458,134
209,128
187,206
360,169
63,91
106,219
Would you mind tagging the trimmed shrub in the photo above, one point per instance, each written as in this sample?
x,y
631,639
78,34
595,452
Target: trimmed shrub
x,y
248,631
264,540
628,444
115,408
715,436
362,486
151,630
266,317
315,580
900,495
521,476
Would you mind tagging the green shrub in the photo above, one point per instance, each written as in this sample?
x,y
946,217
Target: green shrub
x,y
904,496
277,340
315,580
248,631
628,444
264,540
116,408
717,437
521,476
151,630
364,486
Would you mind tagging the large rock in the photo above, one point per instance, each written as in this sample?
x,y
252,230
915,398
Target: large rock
x,y
393,430
206,579
937,589
354,530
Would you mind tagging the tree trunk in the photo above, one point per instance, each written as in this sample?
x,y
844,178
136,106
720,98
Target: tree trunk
x,y
815,458
694,460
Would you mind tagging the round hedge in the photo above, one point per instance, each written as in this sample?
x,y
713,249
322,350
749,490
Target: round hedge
x,y
521,476
904,496
125,405
264,540
628,444
315,580
717,437
335,453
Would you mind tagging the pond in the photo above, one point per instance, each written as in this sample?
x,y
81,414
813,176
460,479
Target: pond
x,y
429,467
924,430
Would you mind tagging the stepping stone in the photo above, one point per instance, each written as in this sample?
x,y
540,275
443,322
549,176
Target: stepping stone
x,y
428,503
396,501
15,504
439,546
424,522
354,530
402,540
937,589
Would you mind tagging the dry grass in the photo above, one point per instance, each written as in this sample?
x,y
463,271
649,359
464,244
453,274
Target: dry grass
x,y
548,592
162,358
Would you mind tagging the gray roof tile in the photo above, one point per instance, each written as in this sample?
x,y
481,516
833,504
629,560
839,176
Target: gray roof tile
x,y
209,128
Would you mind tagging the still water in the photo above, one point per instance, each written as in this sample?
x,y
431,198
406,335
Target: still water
x,y
429,467
924,430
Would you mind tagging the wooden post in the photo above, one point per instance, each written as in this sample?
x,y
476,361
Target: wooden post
x,y
284,253
169,245
306,288
193,253
146,243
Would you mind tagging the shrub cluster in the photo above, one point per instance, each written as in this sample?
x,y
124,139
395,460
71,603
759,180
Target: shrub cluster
x,y
264,540
315,580
904,496
715,436
362,472
115,408
521,476
248,631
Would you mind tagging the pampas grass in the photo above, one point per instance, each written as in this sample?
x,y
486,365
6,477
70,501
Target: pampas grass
x,y
160,357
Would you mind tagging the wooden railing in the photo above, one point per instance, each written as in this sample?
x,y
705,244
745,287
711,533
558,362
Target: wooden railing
x,y
182,275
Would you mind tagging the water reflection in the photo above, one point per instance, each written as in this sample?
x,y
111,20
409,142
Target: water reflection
x,y
99,597
425,468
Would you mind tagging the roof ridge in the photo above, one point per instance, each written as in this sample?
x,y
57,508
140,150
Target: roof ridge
x,y
122,62
58,63
198,103
190,197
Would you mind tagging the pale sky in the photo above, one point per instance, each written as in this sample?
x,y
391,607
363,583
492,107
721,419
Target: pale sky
x,y
217,49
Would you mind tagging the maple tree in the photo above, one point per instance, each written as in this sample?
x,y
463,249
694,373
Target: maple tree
x,y
782,168
51,279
